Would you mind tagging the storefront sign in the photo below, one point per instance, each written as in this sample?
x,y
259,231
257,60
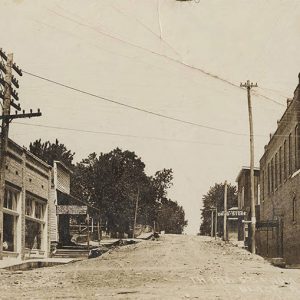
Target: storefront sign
x,y
232,213
71,210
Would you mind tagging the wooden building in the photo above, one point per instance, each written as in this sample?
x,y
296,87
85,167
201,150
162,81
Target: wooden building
x,y
60,195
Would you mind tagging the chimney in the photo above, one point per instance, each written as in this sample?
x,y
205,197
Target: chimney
x,y
288,101
271,135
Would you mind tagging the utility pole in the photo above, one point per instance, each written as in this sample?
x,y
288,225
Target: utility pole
x,y
136,209
9,82
225,235
249,86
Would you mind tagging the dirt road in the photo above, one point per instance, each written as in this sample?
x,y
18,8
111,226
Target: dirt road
x,y
175,267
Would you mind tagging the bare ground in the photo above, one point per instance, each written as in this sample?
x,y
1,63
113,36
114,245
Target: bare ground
x,y
175,267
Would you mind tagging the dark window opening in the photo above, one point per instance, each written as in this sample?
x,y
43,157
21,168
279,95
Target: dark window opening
x,y
294,210
33,235
9,232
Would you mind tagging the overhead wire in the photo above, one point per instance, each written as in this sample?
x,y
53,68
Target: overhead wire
x,y
180,62
120,134
134,107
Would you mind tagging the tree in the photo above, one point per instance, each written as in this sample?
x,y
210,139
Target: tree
x,y
215,198
171,217
49,152
110,182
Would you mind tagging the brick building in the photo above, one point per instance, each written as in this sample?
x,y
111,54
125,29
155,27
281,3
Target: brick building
x,y
244,200
25,208
278,232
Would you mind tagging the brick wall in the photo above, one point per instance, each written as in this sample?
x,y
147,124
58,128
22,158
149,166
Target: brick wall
x,y
280,187
28,174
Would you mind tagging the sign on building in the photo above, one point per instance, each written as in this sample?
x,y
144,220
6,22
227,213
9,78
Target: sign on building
x,y
232,213
71,210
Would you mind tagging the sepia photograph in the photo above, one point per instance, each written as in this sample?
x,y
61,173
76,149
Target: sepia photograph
x,y
150,149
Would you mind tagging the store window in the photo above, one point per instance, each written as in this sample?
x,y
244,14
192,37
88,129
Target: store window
x,y
10,199
9,235
33,235
10,219
34,223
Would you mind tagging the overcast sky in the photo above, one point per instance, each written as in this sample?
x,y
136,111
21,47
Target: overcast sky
x,y
138,52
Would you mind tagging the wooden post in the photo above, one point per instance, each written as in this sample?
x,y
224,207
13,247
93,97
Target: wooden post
x,y
212,224
216,223
225,235
136,209
4,141
98,231
88,231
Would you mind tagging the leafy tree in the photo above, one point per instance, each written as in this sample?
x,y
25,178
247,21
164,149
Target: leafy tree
x,y
215,198
50,152
171,217
111,182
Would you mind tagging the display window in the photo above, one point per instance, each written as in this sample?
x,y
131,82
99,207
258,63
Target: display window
x,y
10,219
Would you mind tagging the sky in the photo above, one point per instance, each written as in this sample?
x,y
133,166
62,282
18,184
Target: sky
x,y
184,60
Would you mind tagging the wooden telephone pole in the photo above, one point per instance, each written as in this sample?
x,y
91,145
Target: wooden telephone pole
x,y
9,82
249,86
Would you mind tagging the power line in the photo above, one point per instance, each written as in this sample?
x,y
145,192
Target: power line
x,y
119,134
134,107
162,55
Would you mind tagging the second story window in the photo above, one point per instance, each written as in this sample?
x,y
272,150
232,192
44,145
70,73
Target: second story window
x,y
276,170
285,160
272,175
269,178
280,165
290,155
263,185
297,148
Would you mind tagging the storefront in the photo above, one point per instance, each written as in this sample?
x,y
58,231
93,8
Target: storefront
x,y
11,220
25,208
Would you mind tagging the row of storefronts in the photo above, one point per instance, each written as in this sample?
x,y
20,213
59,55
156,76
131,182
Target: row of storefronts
x,y
28,215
